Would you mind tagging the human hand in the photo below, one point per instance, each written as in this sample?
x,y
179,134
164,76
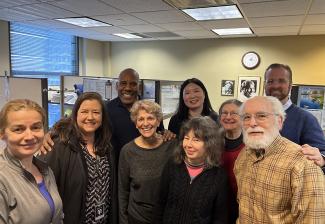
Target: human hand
x,y
47,144
168,135
313,153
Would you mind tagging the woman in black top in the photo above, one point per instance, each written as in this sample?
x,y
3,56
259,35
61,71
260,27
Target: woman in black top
x,y
193,185
193,102
83,163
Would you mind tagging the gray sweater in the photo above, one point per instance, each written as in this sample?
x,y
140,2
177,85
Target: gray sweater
x,y
139,179
20,199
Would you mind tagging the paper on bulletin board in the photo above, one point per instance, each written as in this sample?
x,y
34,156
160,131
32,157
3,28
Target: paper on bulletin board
x,y
169,98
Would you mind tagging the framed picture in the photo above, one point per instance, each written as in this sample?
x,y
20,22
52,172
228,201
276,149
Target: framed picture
x,y
227,87
248,87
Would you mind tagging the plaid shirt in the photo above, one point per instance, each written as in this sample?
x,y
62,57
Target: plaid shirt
x,y
280,186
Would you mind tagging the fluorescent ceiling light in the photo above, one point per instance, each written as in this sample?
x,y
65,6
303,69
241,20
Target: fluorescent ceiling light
x,y
213,13
233,31
127,35
84,22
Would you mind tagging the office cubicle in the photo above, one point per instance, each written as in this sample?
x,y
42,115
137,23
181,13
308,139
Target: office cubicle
x,y
24,88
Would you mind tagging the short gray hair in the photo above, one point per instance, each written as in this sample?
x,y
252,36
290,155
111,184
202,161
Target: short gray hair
x,y
277,106
148,106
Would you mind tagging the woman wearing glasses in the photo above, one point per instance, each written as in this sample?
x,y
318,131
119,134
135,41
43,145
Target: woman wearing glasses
x,y
230,121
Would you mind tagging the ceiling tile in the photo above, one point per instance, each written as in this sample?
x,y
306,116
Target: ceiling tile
x,y
109,29
181,26
51,24
275,8
46,10
143,28
87,7
196,33
10,14
120,19
231,23
276,31
317,7
313,29
276,21
139,5
163,16
315,19
11,3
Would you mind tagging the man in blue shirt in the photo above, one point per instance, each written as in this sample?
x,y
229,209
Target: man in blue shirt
x,y
300,126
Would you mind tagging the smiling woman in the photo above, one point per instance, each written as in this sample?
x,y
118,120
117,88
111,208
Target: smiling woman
x,y
140,165
84,164
193,102
26,183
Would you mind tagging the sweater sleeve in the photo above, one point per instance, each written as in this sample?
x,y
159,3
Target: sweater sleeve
x,y
220,208
123,185
163,195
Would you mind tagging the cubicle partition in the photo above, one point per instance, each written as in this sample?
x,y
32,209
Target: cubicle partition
x,y
24,88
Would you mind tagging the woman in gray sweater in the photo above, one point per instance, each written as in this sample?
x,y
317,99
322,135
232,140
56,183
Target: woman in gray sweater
x,y
141,164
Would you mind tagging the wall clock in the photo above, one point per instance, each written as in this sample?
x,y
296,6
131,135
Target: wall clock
x,y
250,60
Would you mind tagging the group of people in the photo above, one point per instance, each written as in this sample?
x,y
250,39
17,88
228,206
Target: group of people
x,y
256,162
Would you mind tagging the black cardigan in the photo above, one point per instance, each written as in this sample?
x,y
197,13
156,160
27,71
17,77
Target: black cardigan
x,y
204,201
69,168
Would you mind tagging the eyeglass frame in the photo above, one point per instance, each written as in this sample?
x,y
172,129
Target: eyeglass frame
x,y
232,114
259,117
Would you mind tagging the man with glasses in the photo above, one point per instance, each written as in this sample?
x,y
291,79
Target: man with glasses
x,y
300,126
276,183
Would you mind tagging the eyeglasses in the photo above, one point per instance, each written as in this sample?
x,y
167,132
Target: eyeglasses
x,y
232,114
259,117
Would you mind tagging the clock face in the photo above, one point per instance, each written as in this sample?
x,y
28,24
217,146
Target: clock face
x,y
251,60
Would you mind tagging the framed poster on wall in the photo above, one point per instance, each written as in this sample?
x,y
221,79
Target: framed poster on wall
x,y
248,87
227,87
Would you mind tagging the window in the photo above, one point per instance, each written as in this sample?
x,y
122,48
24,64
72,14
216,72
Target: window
x,y
39,52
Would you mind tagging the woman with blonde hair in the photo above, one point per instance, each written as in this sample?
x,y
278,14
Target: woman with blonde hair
x,y
28,192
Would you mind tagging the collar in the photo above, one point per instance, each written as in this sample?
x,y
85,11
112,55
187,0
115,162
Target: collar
x,y
287,104
18,166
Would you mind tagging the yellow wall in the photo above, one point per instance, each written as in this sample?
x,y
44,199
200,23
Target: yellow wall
x,y
213,60
4,48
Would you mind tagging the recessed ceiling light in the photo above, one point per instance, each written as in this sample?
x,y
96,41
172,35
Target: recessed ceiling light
x,y
127,35
233,31
213,13
84,22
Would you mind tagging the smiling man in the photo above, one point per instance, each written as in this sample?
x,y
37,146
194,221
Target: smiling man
x,y
118,109
276,183
300,126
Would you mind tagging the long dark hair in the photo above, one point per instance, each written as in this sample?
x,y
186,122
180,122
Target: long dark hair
x,y
68,127
182,110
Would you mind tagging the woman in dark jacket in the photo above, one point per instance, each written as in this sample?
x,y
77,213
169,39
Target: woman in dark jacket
x,y
83,163
193,102
194,187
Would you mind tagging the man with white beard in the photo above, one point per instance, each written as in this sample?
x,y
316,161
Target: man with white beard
x,y
276,183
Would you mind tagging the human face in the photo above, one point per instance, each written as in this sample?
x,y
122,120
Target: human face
x,y
260,125
193,96
24,133
128,88
89,117
229,118
147,124
277,84
194,148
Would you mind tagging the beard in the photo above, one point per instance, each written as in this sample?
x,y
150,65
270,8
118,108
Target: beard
x,y
260,142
